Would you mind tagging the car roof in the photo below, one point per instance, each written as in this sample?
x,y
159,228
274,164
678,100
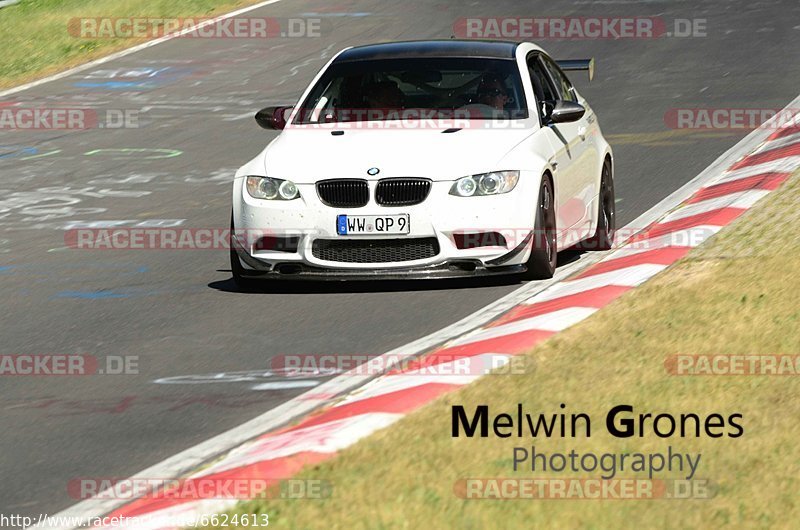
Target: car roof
x,y
431,48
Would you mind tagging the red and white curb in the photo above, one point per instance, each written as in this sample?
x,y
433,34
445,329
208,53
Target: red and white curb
x,y
386,399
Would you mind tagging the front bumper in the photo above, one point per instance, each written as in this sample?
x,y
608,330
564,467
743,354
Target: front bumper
x,y
300,271
441,216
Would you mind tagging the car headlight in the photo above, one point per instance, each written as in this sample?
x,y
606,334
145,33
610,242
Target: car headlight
x,y
493,183
271,189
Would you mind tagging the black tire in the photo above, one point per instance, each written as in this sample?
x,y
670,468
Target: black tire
x,y
237,271
544,248
603,238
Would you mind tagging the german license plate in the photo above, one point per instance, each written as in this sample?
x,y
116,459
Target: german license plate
x,y
355,225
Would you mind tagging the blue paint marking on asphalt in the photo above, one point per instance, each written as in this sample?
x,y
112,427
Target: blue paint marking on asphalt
x,y
143,78
115,84
91,295
17,150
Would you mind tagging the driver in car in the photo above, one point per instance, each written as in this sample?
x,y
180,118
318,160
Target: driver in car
x,y
492,92
385,95
491,98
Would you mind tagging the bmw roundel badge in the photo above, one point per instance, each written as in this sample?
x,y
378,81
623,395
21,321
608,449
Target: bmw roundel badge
x,y
373,171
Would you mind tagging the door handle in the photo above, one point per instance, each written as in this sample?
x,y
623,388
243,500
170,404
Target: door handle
x,y
582,132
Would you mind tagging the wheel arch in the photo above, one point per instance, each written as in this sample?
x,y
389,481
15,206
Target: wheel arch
x,y
547,174
608,156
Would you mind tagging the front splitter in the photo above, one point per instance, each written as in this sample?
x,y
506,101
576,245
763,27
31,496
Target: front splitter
x,y
450,269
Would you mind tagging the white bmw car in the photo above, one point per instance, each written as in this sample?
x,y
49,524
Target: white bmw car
x,y
426,159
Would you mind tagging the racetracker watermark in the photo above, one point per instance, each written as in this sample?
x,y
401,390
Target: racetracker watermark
x,y
193,27
640,238
719,364
66,119
241,488
392,119
582,489
160,238
578,28
289,240
67,364
434,365
731,119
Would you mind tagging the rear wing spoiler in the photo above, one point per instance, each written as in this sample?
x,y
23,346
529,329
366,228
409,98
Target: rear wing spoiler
x,y
578,64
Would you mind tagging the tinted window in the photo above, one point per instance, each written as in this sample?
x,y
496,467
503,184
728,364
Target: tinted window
x,y
563,86
486,88
542,86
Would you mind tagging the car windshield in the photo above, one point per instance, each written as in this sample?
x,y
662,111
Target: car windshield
x,y
391,89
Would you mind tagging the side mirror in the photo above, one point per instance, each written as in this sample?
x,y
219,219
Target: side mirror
x,y
273,117
566,112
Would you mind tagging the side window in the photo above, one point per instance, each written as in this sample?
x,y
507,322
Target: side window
x,y
543,88
563,85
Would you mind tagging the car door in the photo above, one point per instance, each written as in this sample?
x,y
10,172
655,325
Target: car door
x,y
584,189
567,145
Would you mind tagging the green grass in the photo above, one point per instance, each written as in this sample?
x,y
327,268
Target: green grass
x,y
736,295
35,40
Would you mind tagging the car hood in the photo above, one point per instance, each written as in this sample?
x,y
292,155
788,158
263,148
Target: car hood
x,y
306,156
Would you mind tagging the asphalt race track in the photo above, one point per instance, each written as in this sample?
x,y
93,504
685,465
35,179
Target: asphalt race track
x,y
179,312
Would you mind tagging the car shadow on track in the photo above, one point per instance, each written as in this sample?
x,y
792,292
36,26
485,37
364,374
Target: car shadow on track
x,y
378,286
360,286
